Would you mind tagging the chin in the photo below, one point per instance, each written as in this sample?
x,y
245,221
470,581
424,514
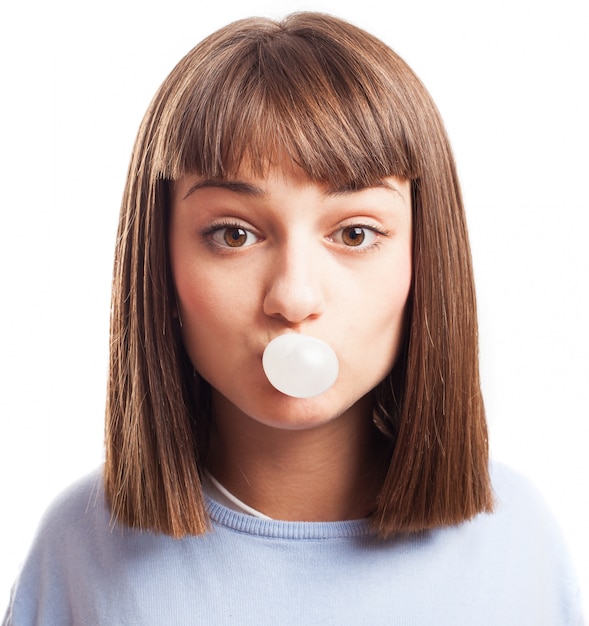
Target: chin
x,y
288,413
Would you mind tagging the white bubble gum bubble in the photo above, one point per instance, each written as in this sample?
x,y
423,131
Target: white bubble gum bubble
x,y
299,365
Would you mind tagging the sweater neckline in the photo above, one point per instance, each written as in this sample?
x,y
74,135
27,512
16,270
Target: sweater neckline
x,y
269,528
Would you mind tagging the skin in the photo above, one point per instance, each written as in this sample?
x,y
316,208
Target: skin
x,y
253,258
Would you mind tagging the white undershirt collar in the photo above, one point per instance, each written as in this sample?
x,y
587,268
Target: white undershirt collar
x,y
214,489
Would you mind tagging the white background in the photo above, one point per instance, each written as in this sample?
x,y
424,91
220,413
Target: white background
x,y
510,79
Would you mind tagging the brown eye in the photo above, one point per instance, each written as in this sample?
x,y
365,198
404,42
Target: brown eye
x,y
231,236
358,236
353,236
235,237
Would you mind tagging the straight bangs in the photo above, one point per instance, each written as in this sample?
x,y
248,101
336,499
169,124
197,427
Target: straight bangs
x,y
258,91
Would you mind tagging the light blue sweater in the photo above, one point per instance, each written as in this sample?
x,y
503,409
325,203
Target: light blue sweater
x,y
509,568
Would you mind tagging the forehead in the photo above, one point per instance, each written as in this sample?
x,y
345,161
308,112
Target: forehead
x,y
250,183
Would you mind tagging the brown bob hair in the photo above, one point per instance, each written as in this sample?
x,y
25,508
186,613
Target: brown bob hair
x,y
348,111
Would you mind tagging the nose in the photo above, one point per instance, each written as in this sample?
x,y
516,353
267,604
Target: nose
x,y
294,291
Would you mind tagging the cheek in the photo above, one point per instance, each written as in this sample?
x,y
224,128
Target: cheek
x,y
215,307
205,323
396,292
384,293
395,295
198,301
201,289
380,315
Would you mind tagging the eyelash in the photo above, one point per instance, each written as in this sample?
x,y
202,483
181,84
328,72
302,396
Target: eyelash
x,y
374,230
219,227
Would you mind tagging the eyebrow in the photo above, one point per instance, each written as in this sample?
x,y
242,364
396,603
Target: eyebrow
x,y
237,186
248,189
356,187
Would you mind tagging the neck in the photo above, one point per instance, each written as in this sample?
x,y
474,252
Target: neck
x,y
327,473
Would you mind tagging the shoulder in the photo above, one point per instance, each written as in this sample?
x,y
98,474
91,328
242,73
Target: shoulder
x,y
525,540
68,534
79,513
519,503
522,518
513,491
77,504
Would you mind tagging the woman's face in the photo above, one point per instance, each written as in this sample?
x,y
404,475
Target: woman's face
x,y
253,258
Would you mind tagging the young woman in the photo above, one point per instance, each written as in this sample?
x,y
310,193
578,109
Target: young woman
x,y
294,180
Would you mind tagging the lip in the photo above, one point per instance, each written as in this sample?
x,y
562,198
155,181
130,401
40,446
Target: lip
x,y
260,350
